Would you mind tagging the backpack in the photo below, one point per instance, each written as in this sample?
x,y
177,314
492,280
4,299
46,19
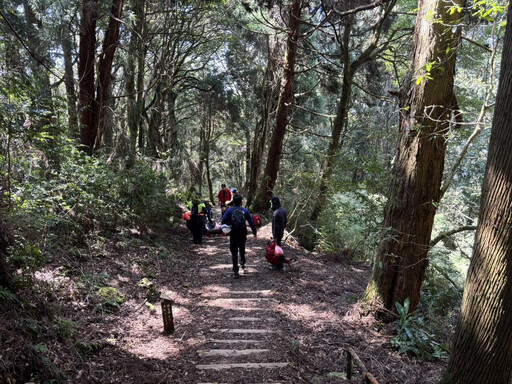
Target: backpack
x,y
238,221
271,255
257,220
194,212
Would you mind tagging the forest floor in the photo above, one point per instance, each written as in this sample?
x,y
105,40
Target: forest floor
x,y
288,326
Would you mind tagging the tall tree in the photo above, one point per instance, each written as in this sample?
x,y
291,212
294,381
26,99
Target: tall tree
x,y
426,102
262,198
93,103
268,98
350,66
482,347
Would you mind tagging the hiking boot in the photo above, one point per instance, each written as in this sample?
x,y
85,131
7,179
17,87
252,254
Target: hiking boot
x,y
236,275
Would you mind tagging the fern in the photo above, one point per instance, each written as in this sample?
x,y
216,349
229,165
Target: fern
x,y
5,294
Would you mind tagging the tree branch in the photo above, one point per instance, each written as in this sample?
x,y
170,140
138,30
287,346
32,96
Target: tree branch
x,y
446,234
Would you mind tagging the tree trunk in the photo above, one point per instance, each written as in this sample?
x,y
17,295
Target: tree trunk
x,y
6,240
482,347
172,131
134,69
350,67
105,67
154,123
268,101
69,80
87,52
426,102
264,194
94,108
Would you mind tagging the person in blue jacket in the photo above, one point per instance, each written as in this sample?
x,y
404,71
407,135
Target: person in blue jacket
x,y
237,216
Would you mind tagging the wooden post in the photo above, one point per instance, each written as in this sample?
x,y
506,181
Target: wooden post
x,y
349,366
167,313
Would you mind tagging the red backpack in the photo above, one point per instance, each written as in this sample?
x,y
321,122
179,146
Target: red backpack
x,y
257,220
271,256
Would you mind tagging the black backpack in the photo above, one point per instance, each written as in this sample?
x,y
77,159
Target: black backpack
x,y
238,221
194,212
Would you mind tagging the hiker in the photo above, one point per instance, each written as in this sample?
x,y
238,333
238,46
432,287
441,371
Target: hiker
x,y
234,192
236,216
196,219
224,196
278,224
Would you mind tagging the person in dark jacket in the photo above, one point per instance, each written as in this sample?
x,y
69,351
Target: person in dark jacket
x,y
196,219
237,216
279,220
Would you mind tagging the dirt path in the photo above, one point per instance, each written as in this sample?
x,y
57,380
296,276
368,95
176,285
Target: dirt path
x,y
268,326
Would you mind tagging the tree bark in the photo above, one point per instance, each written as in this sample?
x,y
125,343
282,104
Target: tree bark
x,y
105,67
93,105
134,71
482,347
69,80
426,102
87,52
264,194
268,102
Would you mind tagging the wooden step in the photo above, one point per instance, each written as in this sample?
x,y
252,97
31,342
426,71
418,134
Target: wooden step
x,y
230,352
242,366
251,319
258,331
236,299
234,341
229,266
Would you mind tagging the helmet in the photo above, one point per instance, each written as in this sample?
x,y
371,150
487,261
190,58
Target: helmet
x,y
233,190
225,228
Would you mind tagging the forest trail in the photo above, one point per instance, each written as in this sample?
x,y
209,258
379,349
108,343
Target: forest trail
x,y
268,326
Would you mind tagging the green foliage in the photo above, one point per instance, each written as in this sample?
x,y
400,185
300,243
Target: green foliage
x,y
65,328
6,294
412,338
351,220
110,299
85,347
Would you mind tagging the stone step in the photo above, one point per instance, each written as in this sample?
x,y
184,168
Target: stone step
x,y
262,292
249,309
230,352
258,331
242,366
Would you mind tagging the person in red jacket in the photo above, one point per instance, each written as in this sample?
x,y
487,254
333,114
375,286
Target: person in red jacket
x,y
224,196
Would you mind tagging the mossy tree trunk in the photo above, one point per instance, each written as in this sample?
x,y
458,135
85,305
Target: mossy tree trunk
x,y
426,106
482,347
